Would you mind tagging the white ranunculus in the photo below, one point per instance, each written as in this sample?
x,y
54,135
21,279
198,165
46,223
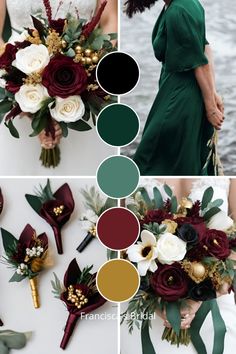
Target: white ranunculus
x,y
68,109
31,59
170,248
220,221
144,253
30,97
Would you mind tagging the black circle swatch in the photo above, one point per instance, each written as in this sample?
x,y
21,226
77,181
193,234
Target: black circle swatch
x,y
117,73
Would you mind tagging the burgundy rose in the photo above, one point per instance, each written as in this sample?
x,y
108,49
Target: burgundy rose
x,y
58,25
58,211
14,79
232,243
8,56
157,215
170,282
95,300
216,244
63,77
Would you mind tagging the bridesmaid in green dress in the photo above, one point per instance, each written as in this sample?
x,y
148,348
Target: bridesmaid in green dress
x,y
179,136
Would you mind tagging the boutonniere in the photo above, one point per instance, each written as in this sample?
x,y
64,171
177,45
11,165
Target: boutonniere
x,y
79,294
56,208
95,205
26,256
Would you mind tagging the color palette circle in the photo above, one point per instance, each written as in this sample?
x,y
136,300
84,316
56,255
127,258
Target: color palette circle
x,y
118,228
117,73
118,124
118,176
117,280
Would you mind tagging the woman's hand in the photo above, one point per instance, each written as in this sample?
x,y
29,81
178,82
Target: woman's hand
x,y
187,314
219,102
47,141
215,116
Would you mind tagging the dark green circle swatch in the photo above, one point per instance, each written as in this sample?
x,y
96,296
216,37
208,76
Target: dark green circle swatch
x,y
118,176
118,125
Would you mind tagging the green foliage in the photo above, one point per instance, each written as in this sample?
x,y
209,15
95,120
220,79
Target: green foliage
x,y
207,197
17,278
109,203
210,213
64,129
45,193
174,204
173,315
85,276
34,202
12,129
158,198
79,125
9,242
93,200
40,119
111,254
2,95
57,287
168,190
155,228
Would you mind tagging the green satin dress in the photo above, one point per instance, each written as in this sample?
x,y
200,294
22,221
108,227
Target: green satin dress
x,y
177,138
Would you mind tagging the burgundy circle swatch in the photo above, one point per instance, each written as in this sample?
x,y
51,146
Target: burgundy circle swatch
x,y
118,228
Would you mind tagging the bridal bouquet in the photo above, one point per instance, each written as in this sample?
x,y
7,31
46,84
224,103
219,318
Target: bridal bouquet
x,y
49,74
27,256
79,294
183,254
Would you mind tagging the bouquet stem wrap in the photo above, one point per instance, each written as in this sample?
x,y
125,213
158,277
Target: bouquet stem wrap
x,y
58,239
69,328
50,157
34,292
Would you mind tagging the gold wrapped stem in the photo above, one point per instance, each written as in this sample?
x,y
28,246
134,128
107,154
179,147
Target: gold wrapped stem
x,y
34,292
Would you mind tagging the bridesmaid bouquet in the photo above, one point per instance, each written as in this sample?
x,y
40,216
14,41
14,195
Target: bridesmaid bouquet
x,y
55,208
183,254
49,74
26,256
95,205
79,294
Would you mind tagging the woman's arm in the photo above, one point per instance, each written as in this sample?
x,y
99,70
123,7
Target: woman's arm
x,y
109,17
2,19
206,80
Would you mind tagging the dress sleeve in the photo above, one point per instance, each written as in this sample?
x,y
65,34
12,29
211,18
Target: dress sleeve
x,y
185,41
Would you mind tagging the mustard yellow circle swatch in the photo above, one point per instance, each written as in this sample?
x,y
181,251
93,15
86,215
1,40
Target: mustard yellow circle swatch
x,y
118,280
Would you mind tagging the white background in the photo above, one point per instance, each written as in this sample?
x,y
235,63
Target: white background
x,y
47,323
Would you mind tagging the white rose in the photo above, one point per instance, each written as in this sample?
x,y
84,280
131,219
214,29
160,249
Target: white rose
x,y
220,221
170,248
30,97
68,109
32,59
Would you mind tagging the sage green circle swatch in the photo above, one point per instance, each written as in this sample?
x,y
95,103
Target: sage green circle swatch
x,y
118,176
118,124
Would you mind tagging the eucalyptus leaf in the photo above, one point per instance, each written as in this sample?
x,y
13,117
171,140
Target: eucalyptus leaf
x,y
210,213
109,203
158,198
168,190
174,204
5,106
111,254
70,53
146,198
207,197
12,129
64,129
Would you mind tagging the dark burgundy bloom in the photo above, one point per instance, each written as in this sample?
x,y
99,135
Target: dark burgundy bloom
x,y
157,215
15,111
90,26
28,239
170,282
58,211
216,244
203,291
8,56
232,243
63,77
22,45
95,300
195,210
14,79
58,25
188,234
1,201
197,223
